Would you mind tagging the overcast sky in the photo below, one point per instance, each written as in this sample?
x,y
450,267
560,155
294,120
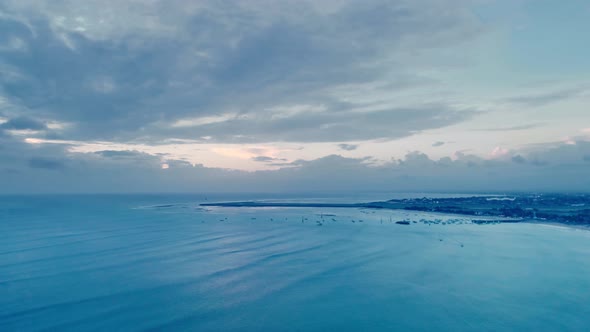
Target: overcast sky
x,y
270,95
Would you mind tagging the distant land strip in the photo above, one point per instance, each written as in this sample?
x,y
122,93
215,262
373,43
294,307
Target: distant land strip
x,y
288,204
573,209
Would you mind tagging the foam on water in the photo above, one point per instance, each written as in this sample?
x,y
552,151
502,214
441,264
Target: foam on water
x,y
133,263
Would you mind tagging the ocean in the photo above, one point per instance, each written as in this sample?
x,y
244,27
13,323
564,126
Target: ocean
x,y
163,263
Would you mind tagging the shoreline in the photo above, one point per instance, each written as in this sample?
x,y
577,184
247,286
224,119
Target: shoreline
x,y
558,224
381,206
287,204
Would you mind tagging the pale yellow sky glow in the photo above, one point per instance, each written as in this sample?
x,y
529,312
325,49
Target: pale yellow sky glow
x,y
231,156
240,156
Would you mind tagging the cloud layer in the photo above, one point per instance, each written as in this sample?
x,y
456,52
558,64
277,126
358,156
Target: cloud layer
x,y
273,72
562,167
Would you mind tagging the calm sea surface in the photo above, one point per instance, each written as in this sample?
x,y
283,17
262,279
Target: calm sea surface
x,y
160,262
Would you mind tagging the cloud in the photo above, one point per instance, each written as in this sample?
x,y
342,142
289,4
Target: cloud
x,y
46,163
220,75
513,128
519,159
23,123
348,147
161,71
335,125
556,167
545,98
499,152
265,159
120,154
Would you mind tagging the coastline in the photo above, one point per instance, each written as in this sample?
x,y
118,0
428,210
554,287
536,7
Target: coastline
x,y
557,224
287,204
476,219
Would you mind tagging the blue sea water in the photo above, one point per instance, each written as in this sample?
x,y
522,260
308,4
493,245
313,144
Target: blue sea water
x,y
162,263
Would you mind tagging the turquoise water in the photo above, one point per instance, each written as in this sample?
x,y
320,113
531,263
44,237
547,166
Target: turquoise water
x,y
140,263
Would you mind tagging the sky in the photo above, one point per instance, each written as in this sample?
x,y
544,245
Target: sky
x,y
284,95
